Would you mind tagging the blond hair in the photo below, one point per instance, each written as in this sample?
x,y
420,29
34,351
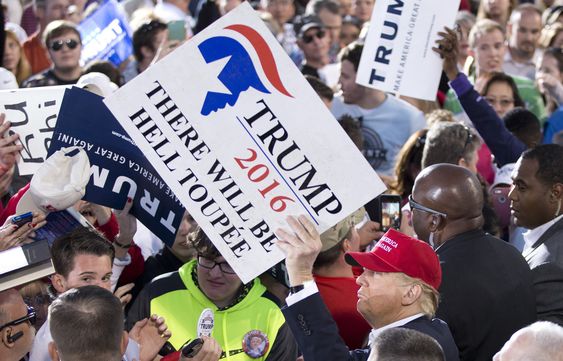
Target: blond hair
x,y
483,26
429,297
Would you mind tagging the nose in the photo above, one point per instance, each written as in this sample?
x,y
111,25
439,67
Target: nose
x,y
360,281
512,193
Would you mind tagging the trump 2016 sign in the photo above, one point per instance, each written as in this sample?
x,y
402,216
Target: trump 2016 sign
x,y
243,141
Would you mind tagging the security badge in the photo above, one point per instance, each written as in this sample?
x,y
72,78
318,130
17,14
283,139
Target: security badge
x,y
255,343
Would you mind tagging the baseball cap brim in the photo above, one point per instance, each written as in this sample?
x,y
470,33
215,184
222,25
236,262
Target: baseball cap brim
x,y
370,261
308,26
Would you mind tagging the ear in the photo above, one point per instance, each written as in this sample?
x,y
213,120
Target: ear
x,y
557,191
124,342
411,295
6,333
58,282
436,223
53,352
346,245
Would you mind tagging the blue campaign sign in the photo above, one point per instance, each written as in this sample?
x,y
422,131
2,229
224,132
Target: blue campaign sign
x,y
106,35
118,169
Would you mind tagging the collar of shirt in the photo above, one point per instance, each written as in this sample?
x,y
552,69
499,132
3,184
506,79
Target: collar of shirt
x,y
376,331
533,235
508,58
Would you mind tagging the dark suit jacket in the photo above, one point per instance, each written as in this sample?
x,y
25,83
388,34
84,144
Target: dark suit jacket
x,y
486,293
545,258
317,334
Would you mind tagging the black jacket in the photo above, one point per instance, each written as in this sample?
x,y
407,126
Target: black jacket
x,y
486,293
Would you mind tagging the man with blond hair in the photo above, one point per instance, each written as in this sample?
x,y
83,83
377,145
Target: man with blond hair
x,y
398,288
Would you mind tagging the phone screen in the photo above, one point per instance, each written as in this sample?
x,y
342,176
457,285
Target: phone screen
x,y
177,30
390,213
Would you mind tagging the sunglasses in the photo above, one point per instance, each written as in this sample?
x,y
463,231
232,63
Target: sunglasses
x,y
415,205
31,317
307,39
58,45
468,140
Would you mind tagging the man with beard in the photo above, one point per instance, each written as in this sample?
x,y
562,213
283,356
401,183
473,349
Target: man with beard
x,y
523,33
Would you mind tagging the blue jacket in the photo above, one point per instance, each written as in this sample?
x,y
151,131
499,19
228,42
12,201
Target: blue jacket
x,y
503,145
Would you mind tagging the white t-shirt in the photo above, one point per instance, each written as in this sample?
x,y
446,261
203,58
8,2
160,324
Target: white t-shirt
x,y
385,128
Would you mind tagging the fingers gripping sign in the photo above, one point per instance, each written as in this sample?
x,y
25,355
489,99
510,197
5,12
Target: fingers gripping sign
x,y
301,245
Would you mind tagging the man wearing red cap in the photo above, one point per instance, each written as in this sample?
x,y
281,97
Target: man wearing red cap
x,y
397,289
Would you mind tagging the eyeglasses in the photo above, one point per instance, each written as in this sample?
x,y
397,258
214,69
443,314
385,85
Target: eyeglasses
x,y
415,205
58,44
210,264
468,140
504,103
31,317
307,39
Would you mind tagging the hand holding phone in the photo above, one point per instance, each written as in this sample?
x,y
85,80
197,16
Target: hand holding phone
x,y
22,219
390,211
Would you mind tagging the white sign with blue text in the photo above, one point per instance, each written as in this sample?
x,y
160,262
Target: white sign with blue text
x,y
398,56
236,132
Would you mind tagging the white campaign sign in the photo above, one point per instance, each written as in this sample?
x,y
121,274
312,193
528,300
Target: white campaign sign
x,y
243,141
398,56
33,114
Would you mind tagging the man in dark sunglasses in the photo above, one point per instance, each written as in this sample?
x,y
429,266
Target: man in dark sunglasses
x,y
64,46
16,326
486,293
314,42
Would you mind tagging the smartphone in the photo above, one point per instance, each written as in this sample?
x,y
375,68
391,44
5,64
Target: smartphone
x,y
22,219
177,30
501,204
192,348
390,211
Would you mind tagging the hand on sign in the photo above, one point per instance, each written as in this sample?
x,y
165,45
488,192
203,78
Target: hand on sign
x,y
127,229
9,151
12,236
210,351
301,248
447,49
151,334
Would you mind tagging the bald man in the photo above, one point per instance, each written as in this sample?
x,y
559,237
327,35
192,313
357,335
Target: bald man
x,y
486,292
16,326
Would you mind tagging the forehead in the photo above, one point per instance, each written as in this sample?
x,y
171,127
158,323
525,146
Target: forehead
x,y
500,87
525,170
91,263
68,34
528,18
489,37
347,68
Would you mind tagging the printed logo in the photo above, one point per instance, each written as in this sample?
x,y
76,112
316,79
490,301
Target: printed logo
x,y
239,73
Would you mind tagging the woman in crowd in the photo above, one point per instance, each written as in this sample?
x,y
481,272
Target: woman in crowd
x,y
549,76
497,10
14,58
501,93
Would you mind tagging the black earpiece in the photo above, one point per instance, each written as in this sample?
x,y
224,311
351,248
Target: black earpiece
x,y
13,338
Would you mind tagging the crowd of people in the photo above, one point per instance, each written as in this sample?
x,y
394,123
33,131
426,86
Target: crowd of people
x,y
473,270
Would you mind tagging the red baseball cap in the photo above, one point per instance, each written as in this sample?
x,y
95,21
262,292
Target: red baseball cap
x,y
397,252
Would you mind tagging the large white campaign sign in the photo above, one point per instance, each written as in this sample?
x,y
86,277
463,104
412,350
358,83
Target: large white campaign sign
x,y
243,141
33,114
397,55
